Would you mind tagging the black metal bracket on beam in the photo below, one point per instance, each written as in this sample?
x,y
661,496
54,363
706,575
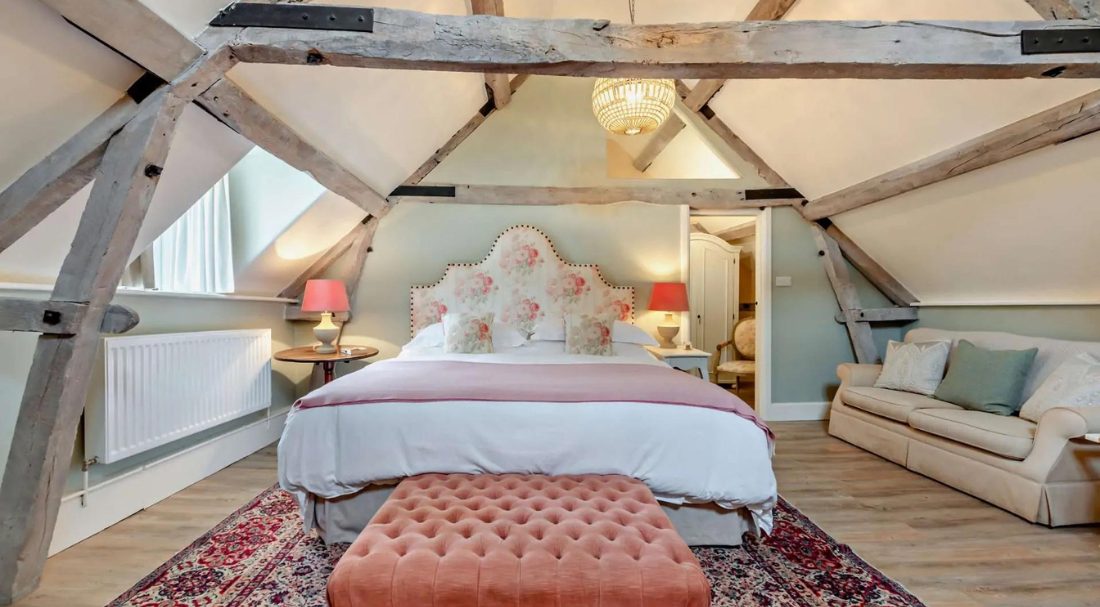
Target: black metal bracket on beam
x,y
425,191
772,194
51,317
1067,40
144,86
296,16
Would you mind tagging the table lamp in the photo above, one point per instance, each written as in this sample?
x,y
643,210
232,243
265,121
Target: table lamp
x,y
325,296
668,297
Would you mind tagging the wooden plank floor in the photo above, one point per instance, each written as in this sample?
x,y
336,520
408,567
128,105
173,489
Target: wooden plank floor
x,y
947,548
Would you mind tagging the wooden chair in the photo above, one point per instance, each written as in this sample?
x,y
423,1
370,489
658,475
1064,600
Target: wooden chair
x,y
742,362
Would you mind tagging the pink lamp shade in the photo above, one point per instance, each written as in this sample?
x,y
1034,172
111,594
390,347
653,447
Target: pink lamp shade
x,y
669,297
324,295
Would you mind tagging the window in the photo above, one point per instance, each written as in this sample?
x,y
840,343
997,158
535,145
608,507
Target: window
x,y
195,254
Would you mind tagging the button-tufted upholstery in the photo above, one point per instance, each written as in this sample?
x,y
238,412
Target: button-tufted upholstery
x,y
459,540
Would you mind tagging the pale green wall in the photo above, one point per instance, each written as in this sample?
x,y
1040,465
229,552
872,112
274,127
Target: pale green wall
x,y
807,344
159,314
1060,322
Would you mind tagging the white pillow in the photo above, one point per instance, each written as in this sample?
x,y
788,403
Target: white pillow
x,y
549,329
626,333
622,332
914,367
1075,383
432,336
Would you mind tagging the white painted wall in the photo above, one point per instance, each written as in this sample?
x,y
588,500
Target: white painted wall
x,y
1021,231
55,80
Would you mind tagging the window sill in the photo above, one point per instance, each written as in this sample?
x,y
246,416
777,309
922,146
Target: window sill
x,y
125,291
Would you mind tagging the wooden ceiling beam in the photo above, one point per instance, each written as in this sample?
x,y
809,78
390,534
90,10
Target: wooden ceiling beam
x,y
1062,123
57,384
60,317
135,31
240,112
1066,9
750,49
859,331
498,84
714,198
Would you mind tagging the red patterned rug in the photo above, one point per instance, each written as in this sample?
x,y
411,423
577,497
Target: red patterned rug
x,y
259,556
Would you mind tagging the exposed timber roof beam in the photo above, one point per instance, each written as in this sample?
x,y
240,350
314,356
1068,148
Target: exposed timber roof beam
x,y
751,49
133,29
1066,9
497,83
859,330
238,110
763,10
715,198
1067,121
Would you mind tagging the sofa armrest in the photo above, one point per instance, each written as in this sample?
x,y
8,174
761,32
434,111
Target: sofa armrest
x,y
1070,422
855,375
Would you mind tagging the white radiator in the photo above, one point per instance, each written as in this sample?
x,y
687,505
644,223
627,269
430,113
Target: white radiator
x,y
160,388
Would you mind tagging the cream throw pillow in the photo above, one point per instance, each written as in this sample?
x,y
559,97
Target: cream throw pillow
x,y
914,367
1075,383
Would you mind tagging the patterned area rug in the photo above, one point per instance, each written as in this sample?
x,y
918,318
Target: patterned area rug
x,y
259,556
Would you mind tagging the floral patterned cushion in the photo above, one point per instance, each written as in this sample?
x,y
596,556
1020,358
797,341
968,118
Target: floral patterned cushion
x,y
468,333
589,334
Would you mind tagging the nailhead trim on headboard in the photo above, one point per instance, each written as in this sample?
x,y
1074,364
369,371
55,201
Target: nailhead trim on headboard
x,y
553,249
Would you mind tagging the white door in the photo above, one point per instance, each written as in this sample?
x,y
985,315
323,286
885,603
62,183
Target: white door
x,y
712,290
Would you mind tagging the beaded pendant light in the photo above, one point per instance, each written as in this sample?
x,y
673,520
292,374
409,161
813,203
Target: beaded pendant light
x,y
632,106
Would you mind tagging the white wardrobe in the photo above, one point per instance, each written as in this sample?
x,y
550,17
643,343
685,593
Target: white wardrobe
x,y
713,291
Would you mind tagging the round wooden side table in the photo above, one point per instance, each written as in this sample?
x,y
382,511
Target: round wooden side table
x,y
305,354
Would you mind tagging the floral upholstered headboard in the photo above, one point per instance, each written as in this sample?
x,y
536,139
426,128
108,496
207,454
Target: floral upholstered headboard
x,y
522,280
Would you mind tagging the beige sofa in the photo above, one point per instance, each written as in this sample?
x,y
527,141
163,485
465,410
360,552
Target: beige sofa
x,y
1046,472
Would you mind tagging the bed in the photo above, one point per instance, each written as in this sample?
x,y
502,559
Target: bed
x,y
529,408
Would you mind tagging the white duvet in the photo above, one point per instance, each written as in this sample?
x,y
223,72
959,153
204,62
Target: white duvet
x,y
684,454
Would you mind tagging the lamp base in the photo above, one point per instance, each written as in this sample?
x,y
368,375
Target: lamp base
x,y
666,333
326,332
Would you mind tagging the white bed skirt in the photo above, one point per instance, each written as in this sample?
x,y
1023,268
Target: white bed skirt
x,y
341,520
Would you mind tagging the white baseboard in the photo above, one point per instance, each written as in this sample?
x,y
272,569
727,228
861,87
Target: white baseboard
x,y
115,499
795,412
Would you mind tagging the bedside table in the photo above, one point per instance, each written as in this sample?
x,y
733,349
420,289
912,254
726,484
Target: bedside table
x,y
684,360
305,354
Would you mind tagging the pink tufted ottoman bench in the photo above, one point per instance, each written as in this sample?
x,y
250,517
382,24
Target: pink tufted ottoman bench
x,y
459,540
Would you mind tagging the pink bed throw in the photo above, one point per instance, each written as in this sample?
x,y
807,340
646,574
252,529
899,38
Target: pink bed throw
x,y
432,381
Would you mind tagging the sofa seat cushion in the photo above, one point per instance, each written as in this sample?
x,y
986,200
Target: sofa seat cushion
x,y
891,404
1007,436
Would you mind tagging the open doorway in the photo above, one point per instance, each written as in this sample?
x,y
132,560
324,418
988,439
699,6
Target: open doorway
x,y
726,278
